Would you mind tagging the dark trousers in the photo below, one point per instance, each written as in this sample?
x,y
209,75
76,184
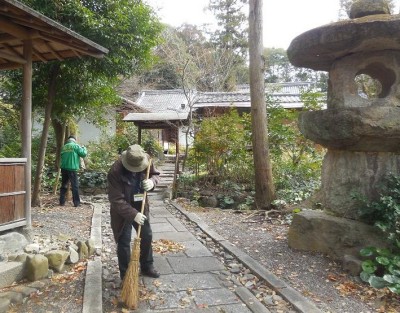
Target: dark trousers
x,y
124,247
69,176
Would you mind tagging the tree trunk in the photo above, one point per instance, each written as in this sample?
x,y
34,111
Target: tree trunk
x,y
60,132
187,133
264,186
45,132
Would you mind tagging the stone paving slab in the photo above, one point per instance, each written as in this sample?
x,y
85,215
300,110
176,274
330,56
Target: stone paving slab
x,y
177,225
183,282
212,297
162,265
155,220
160,212
196,249
161,227
171,301
192,265
175,236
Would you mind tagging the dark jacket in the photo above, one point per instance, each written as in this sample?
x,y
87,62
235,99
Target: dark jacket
x,y
121,185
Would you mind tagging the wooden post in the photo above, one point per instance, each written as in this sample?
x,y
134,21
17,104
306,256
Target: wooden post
x,y
264,186
27,126
176,171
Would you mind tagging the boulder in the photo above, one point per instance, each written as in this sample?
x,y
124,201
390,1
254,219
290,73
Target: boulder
x,y
12,242
208,201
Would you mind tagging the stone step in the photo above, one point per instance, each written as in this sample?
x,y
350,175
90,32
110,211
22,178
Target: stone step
x,y
10,272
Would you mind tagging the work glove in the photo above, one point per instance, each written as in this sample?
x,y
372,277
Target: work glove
x,y
147,184
140,218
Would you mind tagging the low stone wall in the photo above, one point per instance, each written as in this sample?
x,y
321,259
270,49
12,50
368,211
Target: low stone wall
x,y
34,261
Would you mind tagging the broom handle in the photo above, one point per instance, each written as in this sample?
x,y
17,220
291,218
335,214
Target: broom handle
x,y
144,199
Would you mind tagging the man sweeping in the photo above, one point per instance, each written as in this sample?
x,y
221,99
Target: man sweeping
x,y
127,185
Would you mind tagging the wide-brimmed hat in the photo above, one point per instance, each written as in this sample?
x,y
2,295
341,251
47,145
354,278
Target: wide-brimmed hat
x,y
134,159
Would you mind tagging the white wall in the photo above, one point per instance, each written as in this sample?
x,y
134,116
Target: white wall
x,y
87,132
91,133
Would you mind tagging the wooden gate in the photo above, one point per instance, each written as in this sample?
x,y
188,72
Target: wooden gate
x,y
12,193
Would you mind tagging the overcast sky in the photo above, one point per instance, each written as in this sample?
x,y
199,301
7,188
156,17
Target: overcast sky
x,y
283,19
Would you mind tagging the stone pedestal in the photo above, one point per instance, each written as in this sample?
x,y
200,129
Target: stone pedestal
x,y
336,237
347,173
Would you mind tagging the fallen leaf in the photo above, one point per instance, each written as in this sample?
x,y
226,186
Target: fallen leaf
x,y
163,246
332,277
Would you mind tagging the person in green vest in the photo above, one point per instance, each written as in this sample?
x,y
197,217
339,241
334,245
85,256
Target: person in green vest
x,y
71,153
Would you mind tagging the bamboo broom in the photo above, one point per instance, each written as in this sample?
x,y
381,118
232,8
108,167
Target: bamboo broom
x,y
130,285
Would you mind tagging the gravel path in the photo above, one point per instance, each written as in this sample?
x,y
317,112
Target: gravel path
x,y
317,277
54,226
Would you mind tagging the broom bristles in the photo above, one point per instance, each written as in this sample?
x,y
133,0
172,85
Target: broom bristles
x,y
130,284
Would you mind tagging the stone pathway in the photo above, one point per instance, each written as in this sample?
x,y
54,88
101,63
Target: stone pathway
x,y
209,275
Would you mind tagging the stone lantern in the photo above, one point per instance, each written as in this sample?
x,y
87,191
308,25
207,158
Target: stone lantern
x,y
361,133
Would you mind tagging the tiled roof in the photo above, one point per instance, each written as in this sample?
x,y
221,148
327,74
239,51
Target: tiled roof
x,y
163,100
285,94
170,116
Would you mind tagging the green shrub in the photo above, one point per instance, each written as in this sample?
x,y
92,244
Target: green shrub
x,y
92,179
10,139
153,148
220,148
382,269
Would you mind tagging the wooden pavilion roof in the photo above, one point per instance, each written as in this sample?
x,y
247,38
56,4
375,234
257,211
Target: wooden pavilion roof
x,y
50,40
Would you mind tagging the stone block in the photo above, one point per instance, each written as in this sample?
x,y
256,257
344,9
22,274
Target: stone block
x,y
82,250
37,267
57,259
91,246
10,272
73,256
319,232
